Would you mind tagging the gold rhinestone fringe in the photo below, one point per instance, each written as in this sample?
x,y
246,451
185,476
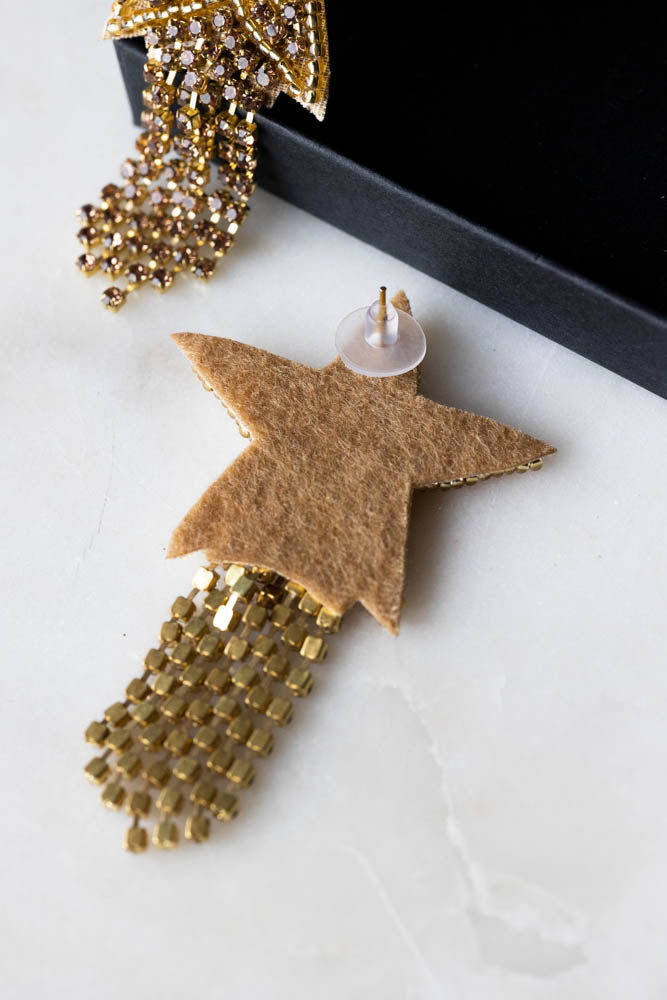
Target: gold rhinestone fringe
x,y
233,656
210,67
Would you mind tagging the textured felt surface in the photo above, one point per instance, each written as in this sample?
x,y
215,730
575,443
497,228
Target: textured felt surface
x,y
322,494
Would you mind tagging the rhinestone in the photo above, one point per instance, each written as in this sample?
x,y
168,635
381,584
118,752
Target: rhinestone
x,y
187,58
230,42
113,298
229,93
87,263
183,257
89,236
289,12
109,192
112,265
162,279
135,274
220,243
152,38
219,21
194,27
191,79
87,212
263,78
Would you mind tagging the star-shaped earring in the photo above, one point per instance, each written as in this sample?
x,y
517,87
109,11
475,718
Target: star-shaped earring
x,y
322,494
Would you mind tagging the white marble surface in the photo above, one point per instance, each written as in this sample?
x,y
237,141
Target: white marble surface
x,y
475,810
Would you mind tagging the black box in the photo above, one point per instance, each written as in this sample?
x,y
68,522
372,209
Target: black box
x,y
514,156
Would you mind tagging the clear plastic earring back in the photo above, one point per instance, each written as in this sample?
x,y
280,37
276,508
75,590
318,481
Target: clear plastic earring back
x,y
381,340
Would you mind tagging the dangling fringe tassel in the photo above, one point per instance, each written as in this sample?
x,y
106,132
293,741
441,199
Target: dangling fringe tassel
x,y
232,657
173,210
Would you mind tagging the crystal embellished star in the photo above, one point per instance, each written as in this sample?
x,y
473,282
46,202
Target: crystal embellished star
x,y
322,494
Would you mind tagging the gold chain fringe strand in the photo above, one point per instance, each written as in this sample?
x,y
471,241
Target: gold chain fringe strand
x,y
232,657
210,67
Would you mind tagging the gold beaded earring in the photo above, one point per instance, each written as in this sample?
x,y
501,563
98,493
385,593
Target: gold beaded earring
x,y
311,518
210,66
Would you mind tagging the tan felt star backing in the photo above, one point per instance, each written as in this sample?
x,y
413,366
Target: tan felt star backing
x,y
322,495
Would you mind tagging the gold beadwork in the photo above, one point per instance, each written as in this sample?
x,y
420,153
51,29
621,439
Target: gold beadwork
x,y
119,740
225,806
226,707
157,774
137,690
96,733
145,713
165,835
170,632
182,654
239,729
195,629
237,648
279,711
199,711
254,616
260,741
309,605
129,764
314,648
210,647
245,677
164,684
117,714
174,707
205,579
203,792
197,828
281,616
187,769
170,800
155,660
153,736
182,608
241,773
294,635
97,770
178,742
178,729
299,681
263,647
221,760
328,621
258,698
206,738
139,804
214,600
276,666
136,839
218,680
225,618
113,794
193,676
